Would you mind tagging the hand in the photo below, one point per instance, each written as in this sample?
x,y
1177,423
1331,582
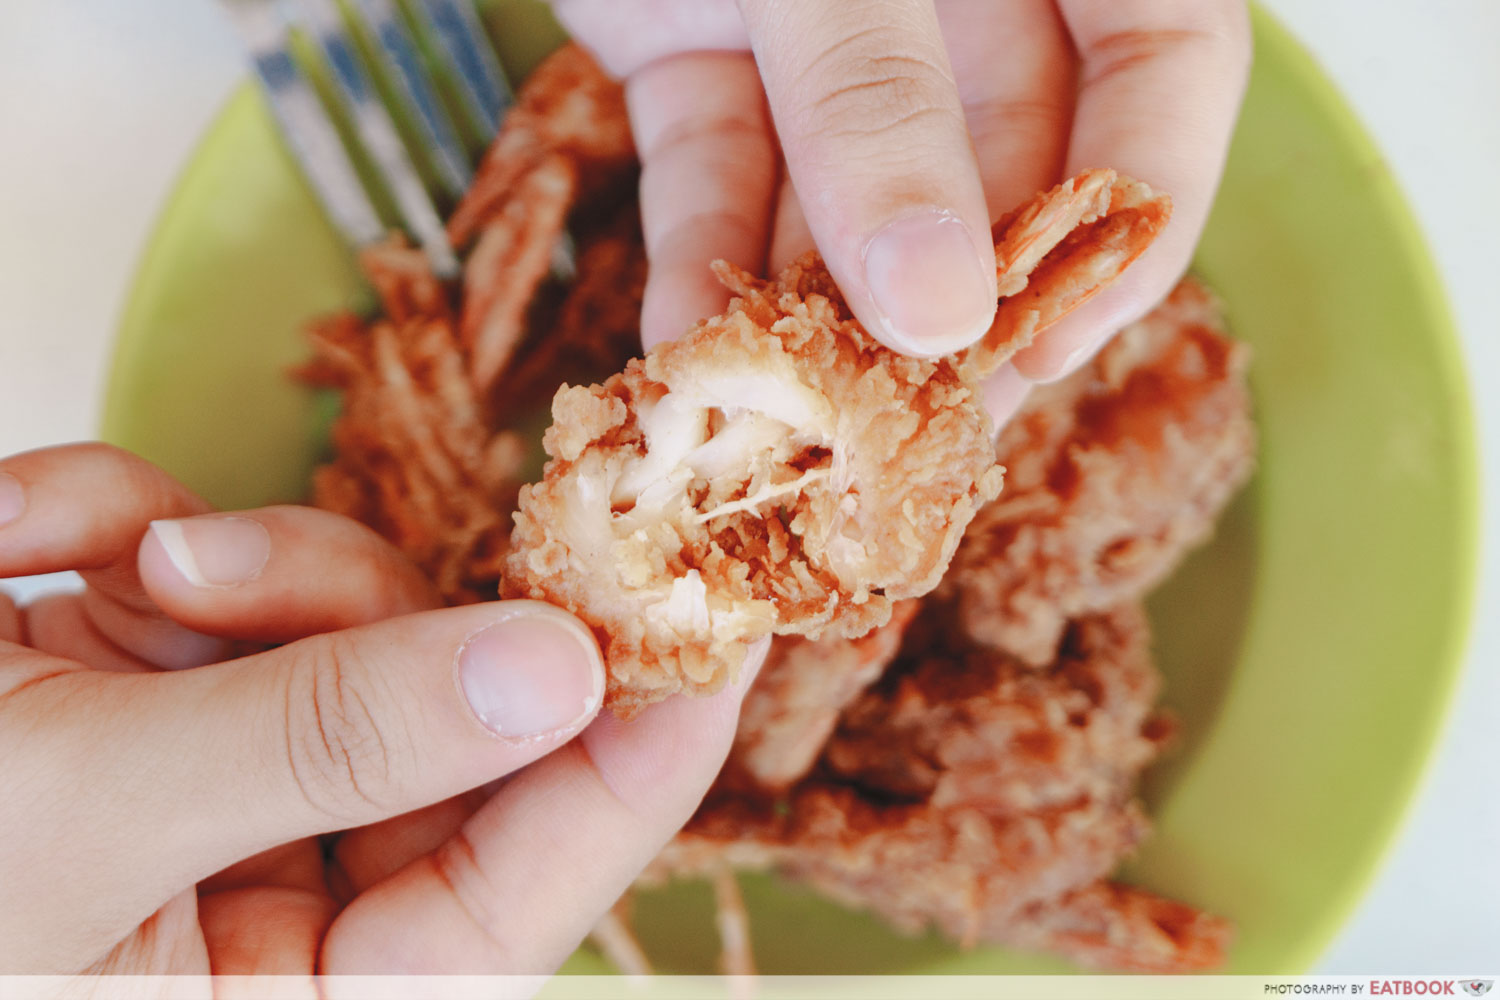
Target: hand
x,y
907,127
161,821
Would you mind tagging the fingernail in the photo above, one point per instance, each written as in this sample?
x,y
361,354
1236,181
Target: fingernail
x,y
215,552
1049,370
934,294
1003,392
12,498
1079,355
532,675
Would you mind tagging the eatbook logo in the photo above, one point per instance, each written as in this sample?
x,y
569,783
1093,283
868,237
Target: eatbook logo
x,y
1477,987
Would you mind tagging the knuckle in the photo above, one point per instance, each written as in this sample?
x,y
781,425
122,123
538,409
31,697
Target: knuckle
x,y
378,580
870,84
134,476
98,451
339,758
683,239
743,129
1217,31
458,870
1039,116
1223,26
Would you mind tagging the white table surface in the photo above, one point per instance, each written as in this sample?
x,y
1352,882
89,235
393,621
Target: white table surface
x,y
101,102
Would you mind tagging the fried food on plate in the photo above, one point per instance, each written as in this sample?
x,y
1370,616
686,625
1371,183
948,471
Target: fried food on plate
x,y
422,450
790,711
1117,927
977,728
1111,476
774,470
413,455
779,471
567,108
985,798
1060,249
969,765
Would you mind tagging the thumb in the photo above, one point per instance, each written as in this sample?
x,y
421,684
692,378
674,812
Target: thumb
x,y
353,727
879,153
155,781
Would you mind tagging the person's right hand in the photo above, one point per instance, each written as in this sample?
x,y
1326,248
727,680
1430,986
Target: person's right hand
x,y
907,127
161,803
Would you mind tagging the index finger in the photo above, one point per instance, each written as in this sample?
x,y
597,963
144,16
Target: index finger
x,y
878,150
85,507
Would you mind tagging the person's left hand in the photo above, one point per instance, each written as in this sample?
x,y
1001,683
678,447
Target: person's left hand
x,y
168,821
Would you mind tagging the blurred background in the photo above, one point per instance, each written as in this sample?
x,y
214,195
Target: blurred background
x,y
102,101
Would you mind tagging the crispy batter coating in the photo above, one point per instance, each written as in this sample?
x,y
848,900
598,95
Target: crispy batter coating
x,y
961,870
775,470
789,713
979,729
423,453
985,798
1112,474
564,148
569,108
1108,925
414,457
594,329
509,259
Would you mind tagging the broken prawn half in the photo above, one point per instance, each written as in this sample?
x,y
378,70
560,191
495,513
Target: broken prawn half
x,y
779,471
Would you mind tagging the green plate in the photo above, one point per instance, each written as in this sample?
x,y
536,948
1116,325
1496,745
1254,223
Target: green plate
x,y
1310,650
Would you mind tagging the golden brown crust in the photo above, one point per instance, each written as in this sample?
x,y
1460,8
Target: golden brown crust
x,y
422,452
775,470
1060,249
978,729
414,457
1002,801
966,790
1108,925
794,705
962,870
568,107
1112,474
510,257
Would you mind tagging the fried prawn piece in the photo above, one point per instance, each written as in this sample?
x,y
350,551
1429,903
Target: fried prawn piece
x,y
1060,249
779,471
594,329
421,455
1006,832
509,259
1112,474
982,729
794,705
961,870
1108,925
414,458
565,146
775,470
567,108
963,855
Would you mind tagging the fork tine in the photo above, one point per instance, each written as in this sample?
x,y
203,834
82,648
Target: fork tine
x,y
379,135
313,140
480,79
400,56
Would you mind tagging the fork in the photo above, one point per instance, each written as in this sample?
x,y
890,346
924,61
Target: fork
x,y
467,60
